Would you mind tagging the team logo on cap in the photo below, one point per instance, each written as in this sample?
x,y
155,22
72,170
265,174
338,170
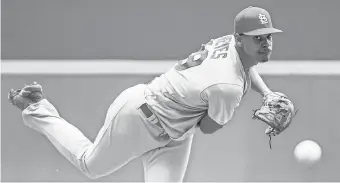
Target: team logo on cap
x,y
263,19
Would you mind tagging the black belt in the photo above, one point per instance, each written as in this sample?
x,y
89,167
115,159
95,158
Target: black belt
x,y
148,113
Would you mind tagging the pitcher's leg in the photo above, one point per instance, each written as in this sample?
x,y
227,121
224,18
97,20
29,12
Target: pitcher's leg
x,y
124,136
68,140
168,163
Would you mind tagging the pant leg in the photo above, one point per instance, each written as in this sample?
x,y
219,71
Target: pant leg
x,y
125,135
168,163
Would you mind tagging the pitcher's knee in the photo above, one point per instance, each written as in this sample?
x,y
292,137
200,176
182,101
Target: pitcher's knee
x,y
97,169
92,176
87,171
87,168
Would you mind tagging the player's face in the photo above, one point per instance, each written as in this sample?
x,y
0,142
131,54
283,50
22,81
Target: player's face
x,y
258,47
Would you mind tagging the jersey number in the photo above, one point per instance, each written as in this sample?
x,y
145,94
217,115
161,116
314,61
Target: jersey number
x,y
193,60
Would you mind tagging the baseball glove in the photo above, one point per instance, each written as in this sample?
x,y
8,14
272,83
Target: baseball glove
x,y
277,111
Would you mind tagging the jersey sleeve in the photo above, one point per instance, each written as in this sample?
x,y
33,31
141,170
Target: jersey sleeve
x,y
222,100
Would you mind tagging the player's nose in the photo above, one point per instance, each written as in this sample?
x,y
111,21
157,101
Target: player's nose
x,y
265,44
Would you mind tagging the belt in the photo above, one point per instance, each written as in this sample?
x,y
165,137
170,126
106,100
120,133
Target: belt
x,y
148,114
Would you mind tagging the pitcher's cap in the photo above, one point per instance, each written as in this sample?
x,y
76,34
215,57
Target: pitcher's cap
x,y
254,21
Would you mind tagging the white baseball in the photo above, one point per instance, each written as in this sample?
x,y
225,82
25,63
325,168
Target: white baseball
x,y
307,152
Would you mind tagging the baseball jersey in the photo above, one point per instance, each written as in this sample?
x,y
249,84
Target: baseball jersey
x,y
211,80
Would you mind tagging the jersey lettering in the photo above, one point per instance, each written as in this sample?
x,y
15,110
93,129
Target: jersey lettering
x,y
221,47
220,52
223,40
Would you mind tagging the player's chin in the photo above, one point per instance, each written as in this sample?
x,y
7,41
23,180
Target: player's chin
x,y
264,58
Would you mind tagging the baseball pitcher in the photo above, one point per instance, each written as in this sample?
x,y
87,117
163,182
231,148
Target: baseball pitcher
x,y
157,121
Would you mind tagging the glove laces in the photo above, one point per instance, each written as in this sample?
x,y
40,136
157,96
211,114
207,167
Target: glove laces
x,y
272,130
270,139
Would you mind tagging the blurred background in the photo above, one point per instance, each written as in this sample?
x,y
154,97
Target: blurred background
x,y
113,30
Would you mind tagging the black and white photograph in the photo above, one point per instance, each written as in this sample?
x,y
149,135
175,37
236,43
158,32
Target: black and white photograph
x,y
170,91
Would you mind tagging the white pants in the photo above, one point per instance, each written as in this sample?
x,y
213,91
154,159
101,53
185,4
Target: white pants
x,y
125,135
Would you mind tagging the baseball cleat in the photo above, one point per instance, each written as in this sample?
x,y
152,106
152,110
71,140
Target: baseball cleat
x,y
26,96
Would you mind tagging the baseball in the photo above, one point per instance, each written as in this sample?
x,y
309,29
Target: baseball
x,y
307,152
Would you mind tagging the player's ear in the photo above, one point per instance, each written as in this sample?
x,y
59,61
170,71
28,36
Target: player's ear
x,y
238,39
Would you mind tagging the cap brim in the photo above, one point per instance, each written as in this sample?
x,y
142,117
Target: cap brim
x,y
262,31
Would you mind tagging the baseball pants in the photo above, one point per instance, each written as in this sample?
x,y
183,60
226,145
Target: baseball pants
x,y
126,134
